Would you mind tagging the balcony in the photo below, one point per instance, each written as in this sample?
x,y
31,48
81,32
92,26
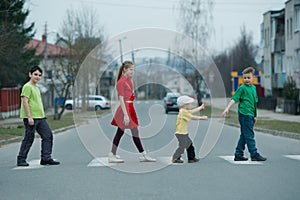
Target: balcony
x,y
279,44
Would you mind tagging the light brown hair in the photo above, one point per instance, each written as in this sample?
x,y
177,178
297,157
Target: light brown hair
x,y
125,65
249,70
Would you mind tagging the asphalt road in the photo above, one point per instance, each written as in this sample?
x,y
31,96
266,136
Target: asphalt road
x,y
85,173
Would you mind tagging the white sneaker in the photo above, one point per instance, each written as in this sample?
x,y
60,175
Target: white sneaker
x,y
114,158
146,158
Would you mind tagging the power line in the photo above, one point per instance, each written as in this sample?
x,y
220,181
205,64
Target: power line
x,y
252,4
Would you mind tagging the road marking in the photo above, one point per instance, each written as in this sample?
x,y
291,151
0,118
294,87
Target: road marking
x,y
33,164
294,157
230,159
100,162
168,160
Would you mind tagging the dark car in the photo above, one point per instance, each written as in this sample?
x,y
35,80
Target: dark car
x,y
170,102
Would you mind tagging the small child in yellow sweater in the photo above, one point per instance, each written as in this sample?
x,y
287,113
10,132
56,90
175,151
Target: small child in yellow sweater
x,y
184,116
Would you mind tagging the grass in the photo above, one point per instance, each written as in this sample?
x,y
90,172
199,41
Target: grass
x,y
17,129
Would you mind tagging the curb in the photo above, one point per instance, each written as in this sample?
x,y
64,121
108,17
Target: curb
x,y
295,136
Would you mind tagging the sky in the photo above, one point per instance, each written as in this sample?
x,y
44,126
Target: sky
x,y
118,16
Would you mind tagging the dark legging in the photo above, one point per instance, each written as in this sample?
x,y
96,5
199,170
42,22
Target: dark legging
x,y
135,137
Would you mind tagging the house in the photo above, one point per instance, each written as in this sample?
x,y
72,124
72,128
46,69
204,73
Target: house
x,y
280,46
52,57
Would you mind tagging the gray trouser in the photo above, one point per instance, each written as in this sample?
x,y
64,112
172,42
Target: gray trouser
x,y
43,129
184,142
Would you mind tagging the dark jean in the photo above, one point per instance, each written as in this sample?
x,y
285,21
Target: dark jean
x,y
184,142
43,129
247,136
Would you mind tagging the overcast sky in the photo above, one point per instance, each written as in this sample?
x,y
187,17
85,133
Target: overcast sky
x,y
117,16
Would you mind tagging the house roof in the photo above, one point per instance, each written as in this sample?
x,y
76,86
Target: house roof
x,y
51,49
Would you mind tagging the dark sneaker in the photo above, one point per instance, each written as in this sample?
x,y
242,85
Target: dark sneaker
x,y
177,161
194,160
22,163
49,162
240,158
258,157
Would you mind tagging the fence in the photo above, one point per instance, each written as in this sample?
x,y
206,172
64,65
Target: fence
x,y
9,102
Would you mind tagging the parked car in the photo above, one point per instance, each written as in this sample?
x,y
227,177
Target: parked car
x,y
97,102
170,102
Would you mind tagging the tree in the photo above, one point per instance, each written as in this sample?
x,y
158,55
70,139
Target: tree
x,y
238,57
195,22
243,52
81,33
15,60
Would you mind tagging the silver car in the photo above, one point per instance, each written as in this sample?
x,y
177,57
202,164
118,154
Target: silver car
x,y
96,102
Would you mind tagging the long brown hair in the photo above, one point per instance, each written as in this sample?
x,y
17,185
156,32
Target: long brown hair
x,y
125,65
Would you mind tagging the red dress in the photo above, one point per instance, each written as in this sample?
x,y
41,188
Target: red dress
x,y
125,89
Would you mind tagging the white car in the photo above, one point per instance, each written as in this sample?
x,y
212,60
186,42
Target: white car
x,y
97,102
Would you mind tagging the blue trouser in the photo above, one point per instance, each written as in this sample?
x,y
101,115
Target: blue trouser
x,y
43,129
184,142
247,136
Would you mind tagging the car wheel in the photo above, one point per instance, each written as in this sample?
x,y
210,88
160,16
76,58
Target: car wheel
x,y
98,108
167,111
69,107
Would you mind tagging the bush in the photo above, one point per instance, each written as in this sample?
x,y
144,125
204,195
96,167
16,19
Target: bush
x,y
290,90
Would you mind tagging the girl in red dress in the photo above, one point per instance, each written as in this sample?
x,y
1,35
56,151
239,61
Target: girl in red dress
x,y
125,116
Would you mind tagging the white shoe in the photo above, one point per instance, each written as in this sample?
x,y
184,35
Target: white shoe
x,y
114,158
146,158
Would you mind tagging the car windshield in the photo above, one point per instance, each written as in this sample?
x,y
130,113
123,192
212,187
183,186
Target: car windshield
x,y
173,99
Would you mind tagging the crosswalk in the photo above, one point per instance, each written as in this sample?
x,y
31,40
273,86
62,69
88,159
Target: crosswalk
x,y
33,164
165,160
230,159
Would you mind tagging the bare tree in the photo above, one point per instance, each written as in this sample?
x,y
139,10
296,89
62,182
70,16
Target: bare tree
x,y
243,52
195,22
236,58
82,33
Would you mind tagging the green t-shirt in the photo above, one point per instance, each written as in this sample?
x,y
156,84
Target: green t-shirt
x,y
34,101
247,98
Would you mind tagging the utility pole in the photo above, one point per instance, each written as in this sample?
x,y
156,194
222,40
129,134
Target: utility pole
x,y
44,37
121,50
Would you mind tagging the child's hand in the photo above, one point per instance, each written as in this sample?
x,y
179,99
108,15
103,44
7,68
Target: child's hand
x,y
204,118
225,112
202,107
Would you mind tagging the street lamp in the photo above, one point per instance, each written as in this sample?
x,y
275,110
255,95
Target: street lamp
x,y
120,45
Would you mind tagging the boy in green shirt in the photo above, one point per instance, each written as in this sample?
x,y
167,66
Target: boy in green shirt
x,y
32,112
247,97
184,116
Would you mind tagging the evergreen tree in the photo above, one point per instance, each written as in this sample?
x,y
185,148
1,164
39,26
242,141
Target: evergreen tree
x,y
15,60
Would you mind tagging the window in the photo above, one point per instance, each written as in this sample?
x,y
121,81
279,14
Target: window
x,y
287,29
297,60
291,27
98,99
297,17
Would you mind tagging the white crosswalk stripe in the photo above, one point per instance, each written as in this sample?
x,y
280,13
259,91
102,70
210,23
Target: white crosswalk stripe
x,y
294,157
100,162
230,159
33,164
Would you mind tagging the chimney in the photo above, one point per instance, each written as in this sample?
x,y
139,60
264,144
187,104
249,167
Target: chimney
x,y
43,38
